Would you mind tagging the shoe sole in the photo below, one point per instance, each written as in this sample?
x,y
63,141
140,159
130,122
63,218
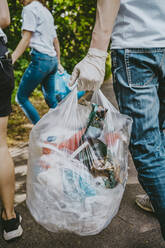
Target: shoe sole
x,y
13,235
144,208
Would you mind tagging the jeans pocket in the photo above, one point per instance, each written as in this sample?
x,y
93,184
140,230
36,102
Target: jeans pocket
x,y
116,62
35,63
42,65
139,68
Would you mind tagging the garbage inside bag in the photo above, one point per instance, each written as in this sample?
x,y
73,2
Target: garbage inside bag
x,y
77,168
61,87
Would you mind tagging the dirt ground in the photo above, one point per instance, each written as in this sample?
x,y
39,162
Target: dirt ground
x,y
19,126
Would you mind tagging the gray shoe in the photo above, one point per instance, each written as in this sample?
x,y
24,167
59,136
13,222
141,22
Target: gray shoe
x,y
144,202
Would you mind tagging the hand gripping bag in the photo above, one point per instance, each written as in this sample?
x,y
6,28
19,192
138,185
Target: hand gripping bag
x,y
77,168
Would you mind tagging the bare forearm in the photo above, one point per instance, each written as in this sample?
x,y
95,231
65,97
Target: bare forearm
x,y
57,48
23,44
4,14
105,17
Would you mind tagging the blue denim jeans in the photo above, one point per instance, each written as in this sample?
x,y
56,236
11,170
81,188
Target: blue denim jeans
x,y
139,85
41,70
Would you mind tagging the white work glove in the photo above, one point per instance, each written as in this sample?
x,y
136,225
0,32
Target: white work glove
x,y
90,71
60,68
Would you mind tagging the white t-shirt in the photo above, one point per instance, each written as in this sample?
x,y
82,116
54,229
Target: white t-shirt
x,y
38,19
139,24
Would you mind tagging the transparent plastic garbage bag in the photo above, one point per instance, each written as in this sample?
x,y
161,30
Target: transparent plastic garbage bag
x,y
77,168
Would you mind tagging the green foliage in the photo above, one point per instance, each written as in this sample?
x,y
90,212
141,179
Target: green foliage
x,y
108,67
20,68
74,20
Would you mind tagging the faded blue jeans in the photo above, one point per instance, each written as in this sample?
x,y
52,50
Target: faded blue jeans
x,y
41,70
139,85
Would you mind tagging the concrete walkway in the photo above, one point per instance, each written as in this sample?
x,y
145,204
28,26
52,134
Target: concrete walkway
x,y
131,228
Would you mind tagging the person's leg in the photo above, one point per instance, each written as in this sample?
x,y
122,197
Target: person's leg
x,y
38,71
161,94
143,200
48,86
7,178
10,220
136,88
30,80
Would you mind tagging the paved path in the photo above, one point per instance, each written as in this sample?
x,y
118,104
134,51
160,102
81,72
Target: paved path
x,y
131,228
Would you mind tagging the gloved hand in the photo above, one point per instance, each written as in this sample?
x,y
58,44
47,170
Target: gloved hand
x,y
60,68
90,71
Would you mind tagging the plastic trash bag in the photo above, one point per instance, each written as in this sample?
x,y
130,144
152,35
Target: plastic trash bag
x,y
77,168
61,87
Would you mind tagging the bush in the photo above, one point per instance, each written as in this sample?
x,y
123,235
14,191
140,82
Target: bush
x,y
74,20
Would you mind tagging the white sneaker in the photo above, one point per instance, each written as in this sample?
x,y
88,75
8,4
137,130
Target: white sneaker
x,y
144,202
12,229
